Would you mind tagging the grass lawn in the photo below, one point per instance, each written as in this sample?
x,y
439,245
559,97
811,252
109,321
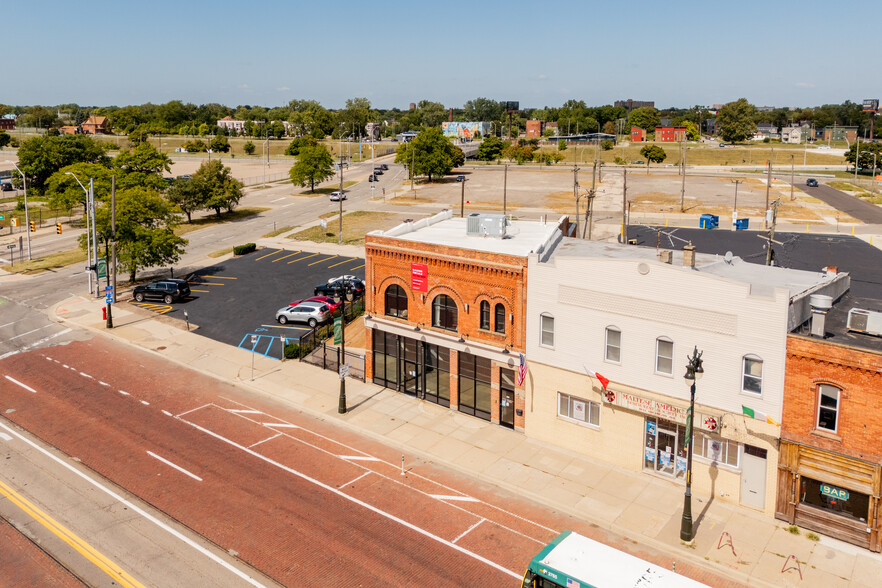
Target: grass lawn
x,y
278,232
220,253
47,262
355,225
329,189
213,219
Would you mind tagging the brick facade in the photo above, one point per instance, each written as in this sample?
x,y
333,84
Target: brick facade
x,y
638,135
670,134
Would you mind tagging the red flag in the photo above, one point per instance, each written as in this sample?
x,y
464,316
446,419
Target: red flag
x,y
603,381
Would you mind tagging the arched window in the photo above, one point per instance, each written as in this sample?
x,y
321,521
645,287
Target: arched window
x,y
485,315
499,319
396,301
752,374
444,312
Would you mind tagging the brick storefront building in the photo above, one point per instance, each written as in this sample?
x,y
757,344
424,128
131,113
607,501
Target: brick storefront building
x,y
670,134
830,461
445,311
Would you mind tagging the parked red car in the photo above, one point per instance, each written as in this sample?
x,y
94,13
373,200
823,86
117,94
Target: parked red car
x,y
324,299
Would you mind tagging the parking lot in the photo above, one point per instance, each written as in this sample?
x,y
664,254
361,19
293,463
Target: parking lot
x,y
239,297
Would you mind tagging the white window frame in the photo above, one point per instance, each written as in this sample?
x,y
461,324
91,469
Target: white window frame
x,y
658,355
838,397
607,345
542,330
701,451
745,375
592,409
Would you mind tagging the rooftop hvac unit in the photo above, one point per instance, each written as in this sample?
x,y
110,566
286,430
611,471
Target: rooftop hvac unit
x,y
486,225
865,321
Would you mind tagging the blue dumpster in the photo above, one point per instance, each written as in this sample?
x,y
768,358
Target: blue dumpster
x,y
741,224
709,221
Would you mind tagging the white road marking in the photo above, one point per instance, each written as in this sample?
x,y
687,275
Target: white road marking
x,y
280,425
361,503
65,365
453,498
123,392
145,403
357,479
29,332
103,383
177,467
143,513
194,409
167,413
279,199
467,531
86,375
12,323
358,457
49,358
5,437
34,344
239,411
14,381
265,440
287,205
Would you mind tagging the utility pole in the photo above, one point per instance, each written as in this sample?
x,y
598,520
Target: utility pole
x,y
340,238
771,238
95,238
588,216
111,296
625,207
769,182
576,194
791,177
504,189
735,205
412,163
683,178
462,199
857,157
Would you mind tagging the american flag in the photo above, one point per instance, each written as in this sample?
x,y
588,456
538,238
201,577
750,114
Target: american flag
x,y
522,369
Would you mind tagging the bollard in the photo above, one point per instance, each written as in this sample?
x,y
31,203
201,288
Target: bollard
x,y
402,465
806,227
103,313
852,230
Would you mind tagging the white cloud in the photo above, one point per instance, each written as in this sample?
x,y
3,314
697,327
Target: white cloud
x,y
805,85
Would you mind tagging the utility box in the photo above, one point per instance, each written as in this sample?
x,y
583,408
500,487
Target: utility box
x,y
709,221
741,224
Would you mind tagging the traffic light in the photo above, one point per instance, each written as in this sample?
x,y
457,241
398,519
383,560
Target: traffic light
x,y
58,228
33,226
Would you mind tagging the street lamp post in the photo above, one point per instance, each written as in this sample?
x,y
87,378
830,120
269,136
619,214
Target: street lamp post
x,y
24,184
694,371
341,295
91,242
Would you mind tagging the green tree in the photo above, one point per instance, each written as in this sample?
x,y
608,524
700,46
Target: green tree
x,y
314,164
430,152
203,130
868,150
64,192
144,230
482,109
187,196
141,166
653,154
491,148
644,118
4,139
561,144
736,121
218,188
219,144
299,143
519,153
248,147
606,145
356,114
692,133
40,157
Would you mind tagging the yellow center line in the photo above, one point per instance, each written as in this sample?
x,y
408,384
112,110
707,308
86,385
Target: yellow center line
x,y
286,257
302,258
359,267
324,260
269,254
342,262
86,550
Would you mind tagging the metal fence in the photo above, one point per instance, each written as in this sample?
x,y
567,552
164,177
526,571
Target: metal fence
x,y
327,357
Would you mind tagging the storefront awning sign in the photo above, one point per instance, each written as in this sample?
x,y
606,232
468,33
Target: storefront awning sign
x,y
661,410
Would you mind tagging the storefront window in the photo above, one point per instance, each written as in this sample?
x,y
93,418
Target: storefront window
x,y
577,409
840,501
664,448
396,301
716,449
385,359
437,363
474,385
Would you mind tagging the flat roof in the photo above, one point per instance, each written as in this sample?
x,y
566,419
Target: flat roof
x,y
758,276
522,238
837,322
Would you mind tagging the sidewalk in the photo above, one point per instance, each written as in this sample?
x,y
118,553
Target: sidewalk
x,y
637,506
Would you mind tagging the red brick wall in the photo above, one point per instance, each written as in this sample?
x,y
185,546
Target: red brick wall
x,y
534,128
637,135
857,373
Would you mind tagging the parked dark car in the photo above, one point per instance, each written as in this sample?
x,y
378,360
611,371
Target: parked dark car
x,y
6,187
460,178
372,178
171,290
384,167
378,171
338,287
811,183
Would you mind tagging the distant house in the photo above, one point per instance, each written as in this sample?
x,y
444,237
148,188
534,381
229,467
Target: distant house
x,y
227,122
638,135
71,130
670,134
765,131
94,125
7,124
791,134
535,128
837,133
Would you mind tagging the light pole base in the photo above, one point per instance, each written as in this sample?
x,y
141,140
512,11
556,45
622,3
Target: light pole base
x,y
341,408
686,533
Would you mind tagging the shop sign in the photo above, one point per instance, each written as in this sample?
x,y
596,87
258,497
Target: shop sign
x,y
419,277
651,407
834,492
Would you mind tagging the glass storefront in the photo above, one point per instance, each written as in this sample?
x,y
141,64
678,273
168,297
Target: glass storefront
x,y
840,501
412,367
664,450
474,385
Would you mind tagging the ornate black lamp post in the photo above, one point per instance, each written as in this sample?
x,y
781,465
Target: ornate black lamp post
x,y
694,372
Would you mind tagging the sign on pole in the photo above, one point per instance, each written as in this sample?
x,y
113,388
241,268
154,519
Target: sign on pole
x,y
102,267
338,330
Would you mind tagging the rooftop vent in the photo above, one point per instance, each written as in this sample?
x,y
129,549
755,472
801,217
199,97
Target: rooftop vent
x,y
486,225
820,304
865,321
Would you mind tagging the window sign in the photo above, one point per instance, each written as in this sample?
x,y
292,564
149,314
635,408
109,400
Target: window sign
x,y
578,410
834,492
650,427
681,463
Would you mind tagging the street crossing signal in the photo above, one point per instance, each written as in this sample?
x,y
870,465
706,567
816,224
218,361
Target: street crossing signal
x,y
33,226
58,228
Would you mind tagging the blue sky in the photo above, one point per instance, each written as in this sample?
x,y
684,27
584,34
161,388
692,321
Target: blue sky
x,y
679,53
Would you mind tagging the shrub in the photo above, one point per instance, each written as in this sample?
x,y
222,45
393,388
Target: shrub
x,y
244,249
292,351
793,530
619,161
606,145
813,536
562,145
249,148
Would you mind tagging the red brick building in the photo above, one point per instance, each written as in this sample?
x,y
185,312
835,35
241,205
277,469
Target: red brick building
x,y
670,134
830,462
445,311
95,125
535,128
638,135
7,124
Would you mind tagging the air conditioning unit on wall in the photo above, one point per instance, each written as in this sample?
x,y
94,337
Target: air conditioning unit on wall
x,y
865,321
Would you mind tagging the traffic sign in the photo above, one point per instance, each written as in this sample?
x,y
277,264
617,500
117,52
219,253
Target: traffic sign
x,y
11,246
344,371
108,288
109,299
2,216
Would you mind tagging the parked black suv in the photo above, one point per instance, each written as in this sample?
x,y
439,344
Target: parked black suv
x,y
171,290
335,288
811,183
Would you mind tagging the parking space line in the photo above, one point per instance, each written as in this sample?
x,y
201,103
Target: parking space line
x,y
359,267
269,254
286,257
223,278
212,284
323,260
342,262
302,258
194,290
285,327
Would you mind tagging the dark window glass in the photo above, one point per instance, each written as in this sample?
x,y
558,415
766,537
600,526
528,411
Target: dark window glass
x,y
474,385
485,315
444,312
499,324
396,301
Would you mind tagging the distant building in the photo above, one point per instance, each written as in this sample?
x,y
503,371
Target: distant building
x,y
670,134
7,124
535,128
766,131
70,130
630,104
227,122
638,135
837,133
797,133
95,125
465,130
666,122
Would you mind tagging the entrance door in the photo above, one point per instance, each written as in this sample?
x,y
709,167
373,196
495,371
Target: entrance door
x,y
408,366
506,398
753,477
667,452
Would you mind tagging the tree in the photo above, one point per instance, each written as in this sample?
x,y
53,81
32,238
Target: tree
x,y
606,145
187,196
431,153
519,153
653,154
692,133
64,192
4,139
867,152
40,157
299,143
315,164
219,144
482,109
490,149
248,148
217,186
203,130
141,166
736,120
144,230
644,118
609,128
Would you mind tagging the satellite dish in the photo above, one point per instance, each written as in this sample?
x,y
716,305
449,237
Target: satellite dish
x,y
728,257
